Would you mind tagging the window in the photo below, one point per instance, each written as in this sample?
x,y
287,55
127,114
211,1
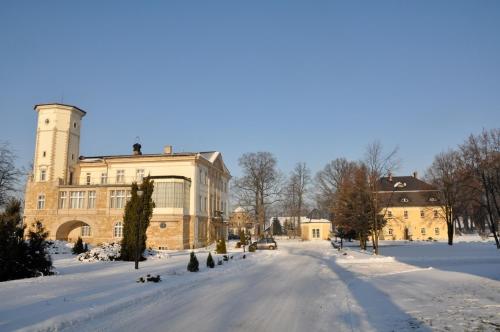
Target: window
x,y
201,176
139,175
104,178
391,231
199,204
41,202
70,178
422,231
315,233
205,205
62,199
76,199
436,214
432,199
91,200
405,213
44,154
120,176
117,199
43,175
422,214
47,121
404,200
171,194
87,179
118,230
163,225
72,156
389,214
436,231
85,231
74,124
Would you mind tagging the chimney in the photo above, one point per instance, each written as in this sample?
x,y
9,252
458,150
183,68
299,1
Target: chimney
x,y
390,177
136,148
167,149
415,174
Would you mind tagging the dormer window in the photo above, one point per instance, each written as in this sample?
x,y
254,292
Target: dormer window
x,y
404,200
432,199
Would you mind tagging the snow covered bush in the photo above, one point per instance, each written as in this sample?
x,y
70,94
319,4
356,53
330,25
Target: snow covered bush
x,y
102,252
55,247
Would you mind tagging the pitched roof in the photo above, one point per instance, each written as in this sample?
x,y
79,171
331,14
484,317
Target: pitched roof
x,y
400,191
410,183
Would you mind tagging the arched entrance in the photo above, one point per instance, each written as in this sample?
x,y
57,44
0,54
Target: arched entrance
x,y
71,230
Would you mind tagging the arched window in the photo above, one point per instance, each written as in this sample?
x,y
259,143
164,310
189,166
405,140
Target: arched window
x,y
118,230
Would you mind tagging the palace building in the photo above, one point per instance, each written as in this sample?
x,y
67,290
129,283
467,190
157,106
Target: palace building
x,y
413,209
73,195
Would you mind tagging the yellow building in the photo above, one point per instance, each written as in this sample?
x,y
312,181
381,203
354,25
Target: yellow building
x,y
240,219
73,195
412,208
315,229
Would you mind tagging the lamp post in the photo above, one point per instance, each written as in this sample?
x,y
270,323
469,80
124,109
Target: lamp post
x,y
138,230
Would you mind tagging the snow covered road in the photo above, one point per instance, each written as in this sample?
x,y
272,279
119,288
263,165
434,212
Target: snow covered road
x,y
303,286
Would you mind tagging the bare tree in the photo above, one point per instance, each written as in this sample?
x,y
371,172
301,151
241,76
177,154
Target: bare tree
x,y
447,175
329,180
378,164
260,185
481,155
299,183
9,174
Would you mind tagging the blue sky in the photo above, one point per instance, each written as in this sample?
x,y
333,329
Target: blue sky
x,y
306,80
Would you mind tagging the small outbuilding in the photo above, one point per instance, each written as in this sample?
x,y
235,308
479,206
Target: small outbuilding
x,y
315,229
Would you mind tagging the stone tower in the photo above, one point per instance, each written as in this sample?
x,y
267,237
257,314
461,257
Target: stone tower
x,y
57,146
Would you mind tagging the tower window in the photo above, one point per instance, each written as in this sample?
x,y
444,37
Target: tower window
x,y
41,202
74,124
44,153
43,175
62,200
47,121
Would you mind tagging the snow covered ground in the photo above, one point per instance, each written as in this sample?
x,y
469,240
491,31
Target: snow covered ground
x,y
303,286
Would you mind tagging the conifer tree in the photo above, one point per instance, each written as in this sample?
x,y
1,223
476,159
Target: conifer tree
x,y
39,260
18,258
243,239
193,265
221,247
13,248
137,207
78,247
210,261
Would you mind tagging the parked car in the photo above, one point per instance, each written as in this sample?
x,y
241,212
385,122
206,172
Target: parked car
x,y
265,243
233,237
